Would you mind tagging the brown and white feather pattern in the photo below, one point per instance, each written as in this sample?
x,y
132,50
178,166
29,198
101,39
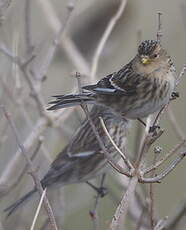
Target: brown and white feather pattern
x,y
140,88
83,159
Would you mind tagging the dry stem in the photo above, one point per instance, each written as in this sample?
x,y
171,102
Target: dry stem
x,y
104,39
32,170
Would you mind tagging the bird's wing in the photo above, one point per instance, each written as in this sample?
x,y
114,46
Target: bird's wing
x,y
83,143
122,82
104,86
126,80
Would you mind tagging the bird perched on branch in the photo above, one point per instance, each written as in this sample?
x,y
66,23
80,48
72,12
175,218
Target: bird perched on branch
x,y
140,88
82,159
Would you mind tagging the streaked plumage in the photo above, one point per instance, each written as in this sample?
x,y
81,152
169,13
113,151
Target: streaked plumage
x,y
140,88
82,159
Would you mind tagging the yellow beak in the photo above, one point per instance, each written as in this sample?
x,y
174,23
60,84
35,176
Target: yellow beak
x,y
145,61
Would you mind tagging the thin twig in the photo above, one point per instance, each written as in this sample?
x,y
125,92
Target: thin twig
x,y
104,39
181,75
149,139
66,43
16,160
159,32
25,168
167,156
139,203
161,223
127,161
8,53
151,196
140,219
110,160
27,28
94,214
23,67
41,70
31,167
24,64
38,210
123,207
40,126
166,171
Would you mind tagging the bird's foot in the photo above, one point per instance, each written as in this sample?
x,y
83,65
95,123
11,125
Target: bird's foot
x,y
174,95
102,191
142,122
153,129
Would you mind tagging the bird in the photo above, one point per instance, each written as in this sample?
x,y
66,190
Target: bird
x,y
140,88
82,159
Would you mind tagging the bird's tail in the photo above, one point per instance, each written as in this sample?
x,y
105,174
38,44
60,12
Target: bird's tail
x,y
68,100
13,207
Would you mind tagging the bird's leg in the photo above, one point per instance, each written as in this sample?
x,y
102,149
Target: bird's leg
x,y
152,129
142,122
101,190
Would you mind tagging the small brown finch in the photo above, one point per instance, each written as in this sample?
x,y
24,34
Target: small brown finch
x,y
140,88
82,159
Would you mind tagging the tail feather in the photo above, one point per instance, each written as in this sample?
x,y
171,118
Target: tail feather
x,y
13,207
68,96
69,100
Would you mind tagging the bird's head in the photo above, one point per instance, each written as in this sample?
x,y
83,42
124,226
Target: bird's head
x,y
151,52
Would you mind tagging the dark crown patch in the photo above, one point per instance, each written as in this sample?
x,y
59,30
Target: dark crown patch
x,y
147,47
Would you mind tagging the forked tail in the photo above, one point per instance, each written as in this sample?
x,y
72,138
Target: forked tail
x,y
68,100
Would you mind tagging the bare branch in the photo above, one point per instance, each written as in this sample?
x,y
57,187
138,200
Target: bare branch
x,y
104,39
27,28
123,207
151,195
161,223
167,156
94,214
67,44
9,172
127,161
41,70
166,171
181,75
38,210
159,32
110,160
32,171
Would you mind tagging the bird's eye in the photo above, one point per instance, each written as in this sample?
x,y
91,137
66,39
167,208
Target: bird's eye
x,y
155,55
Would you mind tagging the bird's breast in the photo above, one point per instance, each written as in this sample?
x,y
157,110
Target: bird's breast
x,y
153,98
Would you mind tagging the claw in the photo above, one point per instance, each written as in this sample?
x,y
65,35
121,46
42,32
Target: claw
x,y
153,128
174,95
102,191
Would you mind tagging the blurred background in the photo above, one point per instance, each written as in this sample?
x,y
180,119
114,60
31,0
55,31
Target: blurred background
x,y
30,27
